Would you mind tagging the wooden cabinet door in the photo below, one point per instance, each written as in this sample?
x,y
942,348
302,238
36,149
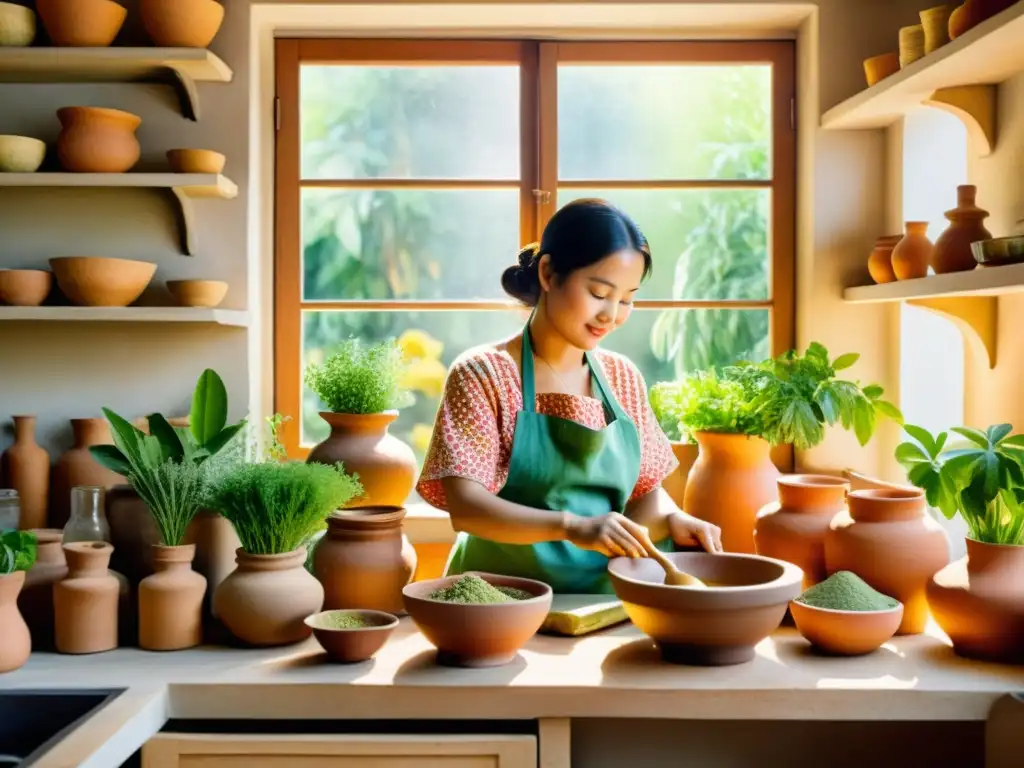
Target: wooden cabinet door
x,y
186,750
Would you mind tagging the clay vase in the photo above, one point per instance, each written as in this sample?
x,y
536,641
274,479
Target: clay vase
x,y
133,533
15,640
77,467
216,542
364,560
85,604
952,251
97,140
385,465
36,598
793,528
979,602
731,480
171,601
267,598
675,484
913,253
880,260
887,539
25,467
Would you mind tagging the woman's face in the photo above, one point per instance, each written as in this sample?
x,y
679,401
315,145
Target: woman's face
x,y
592,302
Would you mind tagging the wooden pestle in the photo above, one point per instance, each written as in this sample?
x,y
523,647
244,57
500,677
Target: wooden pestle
x,y
673,576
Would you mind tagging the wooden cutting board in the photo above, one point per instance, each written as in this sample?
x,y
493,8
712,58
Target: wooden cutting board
x,y
575,615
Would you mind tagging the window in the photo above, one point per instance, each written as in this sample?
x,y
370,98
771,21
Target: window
x,y
409,173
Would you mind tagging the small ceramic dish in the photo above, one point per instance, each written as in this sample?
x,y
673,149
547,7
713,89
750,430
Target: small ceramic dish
x,y
349,645
845,633
999,251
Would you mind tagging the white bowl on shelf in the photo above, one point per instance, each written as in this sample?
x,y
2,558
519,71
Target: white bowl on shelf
x,y
17,26
21,154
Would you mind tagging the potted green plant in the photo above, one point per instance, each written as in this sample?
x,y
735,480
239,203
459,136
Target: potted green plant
x,y
17,555
362,387
979,599
275,508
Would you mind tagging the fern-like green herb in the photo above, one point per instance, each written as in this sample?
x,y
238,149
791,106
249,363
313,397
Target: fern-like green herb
x,y
173,491
360,378
275,507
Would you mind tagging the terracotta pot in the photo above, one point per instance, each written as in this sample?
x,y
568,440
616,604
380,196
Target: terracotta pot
x,y
76,466
880,260
81,23
972,13
351,645
979,602
913,253
385,465
845,633
25,287
675,484
36,598
216,543
935,22
182,23
171,601
266,599
25,467
85,604
793,528
732,478
365,560
97,140
197,293
195,161
877,68
952,251
15,640
95,281
911,44
887,539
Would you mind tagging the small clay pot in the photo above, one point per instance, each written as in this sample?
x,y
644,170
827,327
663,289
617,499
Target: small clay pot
x,y
181,23
76,466
195,161
97,140
911,44
877,68
880,260
952,252
913,253
845,633
15,640
351,645
675,484
36,598
197,293
85,604
935,22
972,13
81,23
171,601
25,467
25,287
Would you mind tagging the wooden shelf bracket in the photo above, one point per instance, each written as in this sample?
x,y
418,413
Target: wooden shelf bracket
x,y
975,106
977,317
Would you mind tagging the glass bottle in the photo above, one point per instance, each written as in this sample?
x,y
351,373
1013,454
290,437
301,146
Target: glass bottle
x,y
88,521
10,509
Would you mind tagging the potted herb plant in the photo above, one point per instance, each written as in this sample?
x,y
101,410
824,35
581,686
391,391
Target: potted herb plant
x,y
666,404
275,507
979,599
17,555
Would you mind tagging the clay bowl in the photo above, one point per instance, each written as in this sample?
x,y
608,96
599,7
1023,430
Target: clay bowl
x,y
878,68
845,633
81,23
197,293
195,161
24,287
477,635
351,645
746,600
182,23
94,281
21,154
17,25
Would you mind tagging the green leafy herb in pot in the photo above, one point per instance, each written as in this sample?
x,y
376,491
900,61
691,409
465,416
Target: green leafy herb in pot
x,y
846,591
17,551
359,378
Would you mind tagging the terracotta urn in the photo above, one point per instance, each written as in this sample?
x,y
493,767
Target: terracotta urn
x,y
385,465
25,467
216,542
171,601
15,640
85,604
913,253
794,527
886,538
97,140
36,598
365,560
952,251
880,260
76,467
731,480
675,484
979,602
266,599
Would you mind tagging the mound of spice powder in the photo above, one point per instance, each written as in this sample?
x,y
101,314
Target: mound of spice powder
x,y
343,621
846,591
472,590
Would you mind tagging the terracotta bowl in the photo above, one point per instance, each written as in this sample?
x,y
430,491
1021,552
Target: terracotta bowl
x,y
878,68
477,635
21,154
352,645
182,23
81,23
195,161
846,633
17,25
94,281
197,293
745,602
24,287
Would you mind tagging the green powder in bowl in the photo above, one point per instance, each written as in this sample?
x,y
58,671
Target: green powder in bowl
x,y
846,591
472,590
344,620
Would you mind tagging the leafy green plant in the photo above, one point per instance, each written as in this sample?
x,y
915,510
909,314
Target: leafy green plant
x,y
275,507
703,402
361,378
17,551
983,482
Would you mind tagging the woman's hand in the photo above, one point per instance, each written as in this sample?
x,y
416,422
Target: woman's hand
x,y
613,535
688,531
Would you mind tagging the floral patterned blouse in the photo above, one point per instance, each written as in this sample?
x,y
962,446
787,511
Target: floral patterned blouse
x,y
475,423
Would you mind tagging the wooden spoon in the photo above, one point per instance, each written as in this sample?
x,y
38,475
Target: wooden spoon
x,y
673,576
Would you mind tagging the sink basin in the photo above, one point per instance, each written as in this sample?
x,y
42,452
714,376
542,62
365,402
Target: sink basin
x,y
33,721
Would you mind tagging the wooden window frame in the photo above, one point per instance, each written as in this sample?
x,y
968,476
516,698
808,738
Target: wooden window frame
x,y
537,183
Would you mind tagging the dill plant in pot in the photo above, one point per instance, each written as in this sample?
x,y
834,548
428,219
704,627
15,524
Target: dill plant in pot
x,y
17,555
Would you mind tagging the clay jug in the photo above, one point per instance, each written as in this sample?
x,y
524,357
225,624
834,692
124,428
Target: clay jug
x,y
793,528
675,484
886,538
365,560
25,467
15,640
36,598
76,466
216,543
133,533
385,465
731,480
171,601
97,140
952,251
913,253
85,603
880,260
267,598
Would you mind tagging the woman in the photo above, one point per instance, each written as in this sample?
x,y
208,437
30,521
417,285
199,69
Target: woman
x,y
545,451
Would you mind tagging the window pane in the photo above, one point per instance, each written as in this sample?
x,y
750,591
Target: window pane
x,y
664,122
407,244
443,122
706,243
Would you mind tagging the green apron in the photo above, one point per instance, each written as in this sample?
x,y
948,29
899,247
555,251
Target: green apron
x,y
563,466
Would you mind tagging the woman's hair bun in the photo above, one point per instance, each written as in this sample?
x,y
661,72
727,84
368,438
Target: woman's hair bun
x,y
522,280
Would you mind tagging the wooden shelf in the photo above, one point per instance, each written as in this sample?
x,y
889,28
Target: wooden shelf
x,y
231,317
183,188
960,77
181,68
